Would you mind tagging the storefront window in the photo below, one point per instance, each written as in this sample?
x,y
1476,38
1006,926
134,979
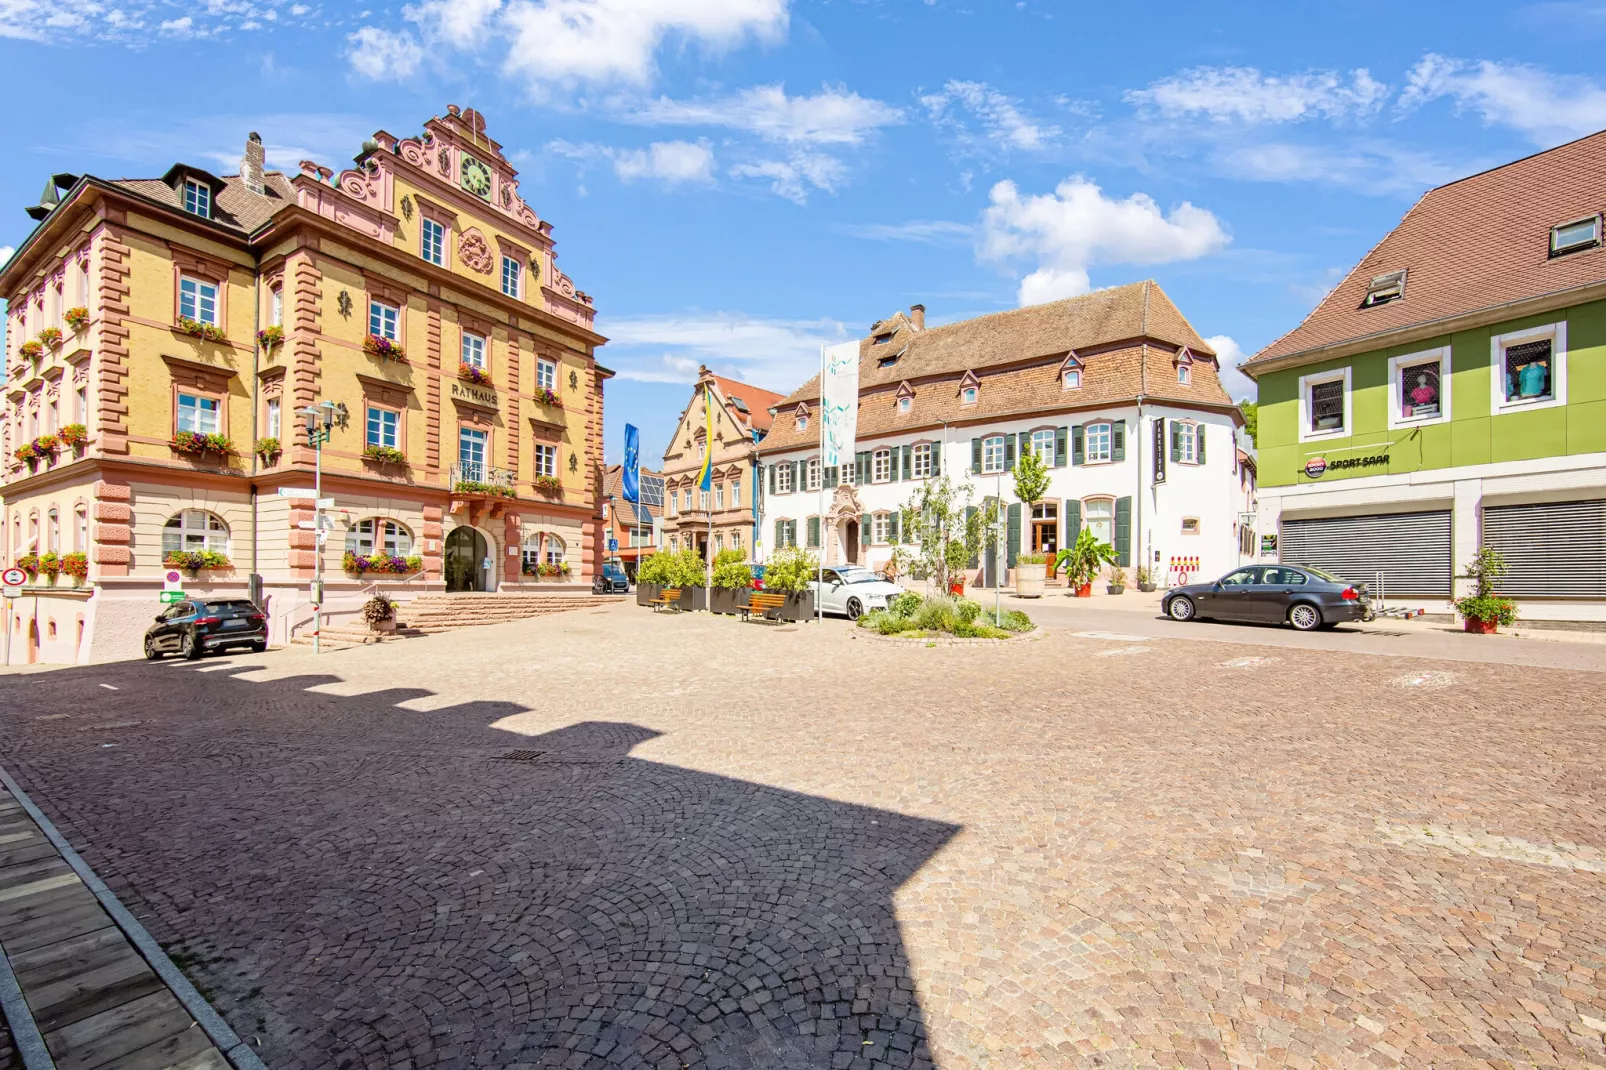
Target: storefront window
x,y
1419,390
1528,371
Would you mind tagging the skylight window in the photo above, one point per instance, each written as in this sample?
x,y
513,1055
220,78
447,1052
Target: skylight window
x,y
1390,287
887,362
1579,234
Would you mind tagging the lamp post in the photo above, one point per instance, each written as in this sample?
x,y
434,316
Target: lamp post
x,y
320,418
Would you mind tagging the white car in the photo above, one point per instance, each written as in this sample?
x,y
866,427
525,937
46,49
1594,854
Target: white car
x,y
852,591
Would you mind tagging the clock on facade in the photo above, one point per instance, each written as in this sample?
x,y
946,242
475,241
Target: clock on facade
x,y
476,177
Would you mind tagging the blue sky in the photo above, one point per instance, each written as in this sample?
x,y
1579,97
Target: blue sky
x,y
736,181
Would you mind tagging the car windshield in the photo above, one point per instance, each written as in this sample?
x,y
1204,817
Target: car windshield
x,y
230,607
857,575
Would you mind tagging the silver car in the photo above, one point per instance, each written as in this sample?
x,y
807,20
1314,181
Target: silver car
x,y
852,591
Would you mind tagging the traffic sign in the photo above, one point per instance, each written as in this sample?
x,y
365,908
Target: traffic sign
x,y
327,523
169,597
172,580
298,492
613,546
326,503
13,577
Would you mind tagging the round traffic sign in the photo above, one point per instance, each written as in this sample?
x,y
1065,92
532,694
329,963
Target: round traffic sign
x,y
13,577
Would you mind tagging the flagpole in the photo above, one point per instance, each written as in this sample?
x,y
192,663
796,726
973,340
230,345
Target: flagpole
x,y
819,588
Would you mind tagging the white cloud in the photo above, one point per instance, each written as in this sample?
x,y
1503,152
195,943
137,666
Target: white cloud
x,y
1000,116
182,27
833,116
776,354
1548,108
1066,232
924,231
460,23
5,254
1371,166
668,161
1245,95
383,55
795,176
1238,385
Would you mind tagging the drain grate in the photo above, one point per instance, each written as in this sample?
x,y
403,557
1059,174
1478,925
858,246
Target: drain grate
x,y
519,756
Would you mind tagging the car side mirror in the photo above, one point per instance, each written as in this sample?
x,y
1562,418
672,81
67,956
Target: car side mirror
x,y
1216,586
160,617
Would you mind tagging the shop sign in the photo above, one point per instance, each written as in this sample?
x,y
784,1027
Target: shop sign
x,y
1316,467
1268,546
1159,449
475,395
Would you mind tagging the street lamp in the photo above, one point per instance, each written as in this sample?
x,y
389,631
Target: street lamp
x,y
320,418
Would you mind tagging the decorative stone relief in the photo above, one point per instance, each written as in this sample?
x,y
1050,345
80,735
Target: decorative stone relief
x,y
474,253
407,208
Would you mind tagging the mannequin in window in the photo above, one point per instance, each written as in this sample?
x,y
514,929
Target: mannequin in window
x,y
1425,395
1533,379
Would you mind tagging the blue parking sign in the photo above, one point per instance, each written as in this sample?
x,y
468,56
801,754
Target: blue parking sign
x,y
613,546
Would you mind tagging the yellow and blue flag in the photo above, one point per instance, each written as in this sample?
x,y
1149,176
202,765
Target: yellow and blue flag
x,y
705,478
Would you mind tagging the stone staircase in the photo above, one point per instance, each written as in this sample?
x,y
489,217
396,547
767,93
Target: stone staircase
x,y
431,613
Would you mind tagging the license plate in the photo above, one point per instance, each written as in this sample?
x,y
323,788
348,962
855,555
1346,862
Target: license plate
x,y
236,623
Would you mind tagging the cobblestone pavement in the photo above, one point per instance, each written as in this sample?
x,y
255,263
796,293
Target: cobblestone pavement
x,y
739,846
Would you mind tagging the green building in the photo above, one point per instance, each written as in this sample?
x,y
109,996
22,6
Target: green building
x,y
1451,393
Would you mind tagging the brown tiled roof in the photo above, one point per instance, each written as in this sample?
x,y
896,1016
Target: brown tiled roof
x,y
234,206
1478,243
757,400
1016,357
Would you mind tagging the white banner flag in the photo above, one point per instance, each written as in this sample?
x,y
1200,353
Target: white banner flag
x,y
839,404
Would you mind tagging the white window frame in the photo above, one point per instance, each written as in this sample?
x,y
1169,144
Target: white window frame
x,y
1557,333
196,524
1397,417
546,460
719,496
474,350
432,242
847,473
969,395
199,407
1071,379
546,375
381,533
881,466
1187,442
881,529
905,404
385,317
276,307
197,198
201,296
381,431
988,456
1042,443
1593,242
1317,379
1108,435
811,474
921,464
1089,520
736,493
272,421
1184,375
473,462
512,271
783,478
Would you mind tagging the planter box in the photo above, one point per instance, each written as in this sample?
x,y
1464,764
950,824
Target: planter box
x,y
798,607
646,592
1482,627
728,600
1029,580
383,627
693,598
1113,589
1146,588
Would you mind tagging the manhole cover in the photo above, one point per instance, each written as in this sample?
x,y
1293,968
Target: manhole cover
x,y
1425,679
1247,663
519,756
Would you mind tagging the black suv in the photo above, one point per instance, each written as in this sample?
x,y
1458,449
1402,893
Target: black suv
x,y
195,627
611,579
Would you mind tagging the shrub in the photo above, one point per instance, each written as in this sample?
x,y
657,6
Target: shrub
x,y
379,609
968,608
672,568
77,318
651,569
914,615
790,571
1483,604
904,604
1016,621
1031,559
731,571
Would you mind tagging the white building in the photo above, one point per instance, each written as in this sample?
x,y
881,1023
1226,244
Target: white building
x,y
1115,390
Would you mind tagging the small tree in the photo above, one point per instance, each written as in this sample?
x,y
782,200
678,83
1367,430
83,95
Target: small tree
x,y
1031,479
1483,604
946,537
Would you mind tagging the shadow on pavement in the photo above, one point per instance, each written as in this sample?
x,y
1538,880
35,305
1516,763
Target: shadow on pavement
x,y
367,885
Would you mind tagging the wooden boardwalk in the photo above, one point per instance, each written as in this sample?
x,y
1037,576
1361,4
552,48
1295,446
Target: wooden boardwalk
x,y
91,996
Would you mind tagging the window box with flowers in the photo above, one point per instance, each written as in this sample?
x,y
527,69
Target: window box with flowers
x,y
491,490
31,350
197,444
76,565
29,563
383,454
383,563
50,337
475,374
383,348
548,397
193,561
73,435
209,332
27,454
268,338
547,570
46,445
50,567
77,318
268,450
551,486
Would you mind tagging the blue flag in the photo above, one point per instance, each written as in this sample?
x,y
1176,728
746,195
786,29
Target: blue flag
x,y
632,465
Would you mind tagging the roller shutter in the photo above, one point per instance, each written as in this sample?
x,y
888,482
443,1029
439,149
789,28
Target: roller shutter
x,y
1553,548
1411,550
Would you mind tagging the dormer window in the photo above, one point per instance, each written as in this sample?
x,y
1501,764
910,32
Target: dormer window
x,y
1385,288
1571,237
197,198
887,362
967,396
1184,374
881,340
1071,379
905,404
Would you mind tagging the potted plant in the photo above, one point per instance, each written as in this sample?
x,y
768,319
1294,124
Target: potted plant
x,y
1030,572
50,566
50,337
28,453
548,397
789,572
206,331
194,442
383,454
1483,611
77,318
1117,580
76,565
473,373
1082,561
380,613
269,337
73,435
193,561
1145,579
733,582
29,563
551,486
30,350
267,450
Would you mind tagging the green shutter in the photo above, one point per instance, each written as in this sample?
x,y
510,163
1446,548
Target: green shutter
x,y
975,459
892,529
1077,456
780,533
861,468
892,463
831,475
1025,443
936,457
1117,440
908,462
970,511
1014,535
1176,442
1073,521
866,531
1198,441
1061,436
791,533
1009,453
772,478
1123,531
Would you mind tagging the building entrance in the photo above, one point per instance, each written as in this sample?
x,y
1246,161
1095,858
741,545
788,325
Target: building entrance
x,y
468,560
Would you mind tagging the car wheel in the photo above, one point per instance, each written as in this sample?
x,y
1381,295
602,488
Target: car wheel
x,y
151,653
1305,617
190,648
259,648
855,609
1181,608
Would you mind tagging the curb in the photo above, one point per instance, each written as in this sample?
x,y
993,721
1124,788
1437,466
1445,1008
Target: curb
x,y
240,1056
24,1031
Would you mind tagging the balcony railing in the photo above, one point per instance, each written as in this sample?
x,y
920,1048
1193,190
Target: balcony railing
x,y
475,479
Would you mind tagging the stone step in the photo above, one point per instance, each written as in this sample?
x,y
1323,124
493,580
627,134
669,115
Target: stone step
x,y
432,614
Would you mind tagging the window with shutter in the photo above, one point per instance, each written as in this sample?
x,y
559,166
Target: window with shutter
x,y
814,532
1123,531
772,479
1199,441
908,462
780,534
975,455
1078,456
1118,440
894,522
1009,453
1073,520
1013,546
1176,441
1061,438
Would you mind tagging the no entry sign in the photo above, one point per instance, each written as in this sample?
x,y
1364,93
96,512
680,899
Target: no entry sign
x,y
13,577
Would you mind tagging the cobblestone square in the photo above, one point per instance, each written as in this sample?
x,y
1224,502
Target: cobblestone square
x,y
611,838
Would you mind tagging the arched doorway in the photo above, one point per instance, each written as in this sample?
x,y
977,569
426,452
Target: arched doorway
x,y
468,560
850,542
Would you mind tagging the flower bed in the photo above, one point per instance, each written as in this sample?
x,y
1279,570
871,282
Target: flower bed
x,y
384,454
194,442
548,485
74,435
193,561
196,329
475,374
357,564
76,318
548,397
50,337
915,617
376,345
474,486
268,337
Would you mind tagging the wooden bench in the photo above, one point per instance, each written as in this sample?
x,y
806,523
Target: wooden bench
x,y
766,604
669,598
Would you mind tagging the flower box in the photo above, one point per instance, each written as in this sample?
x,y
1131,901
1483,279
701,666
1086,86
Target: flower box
x,y
50,337
384,454
474,486
76,318
31,350
29,563
728,600
46,445
268,337
551,486
548,397
73,435
76,565
475,374
196,329
267,449
548,571
376,345
646,593
197,444
193,561
382,563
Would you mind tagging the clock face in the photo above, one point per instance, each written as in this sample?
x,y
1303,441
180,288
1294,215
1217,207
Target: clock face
x,y
476,177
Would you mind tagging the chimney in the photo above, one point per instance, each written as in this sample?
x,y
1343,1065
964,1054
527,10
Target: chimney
x,y
251,164
917,316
